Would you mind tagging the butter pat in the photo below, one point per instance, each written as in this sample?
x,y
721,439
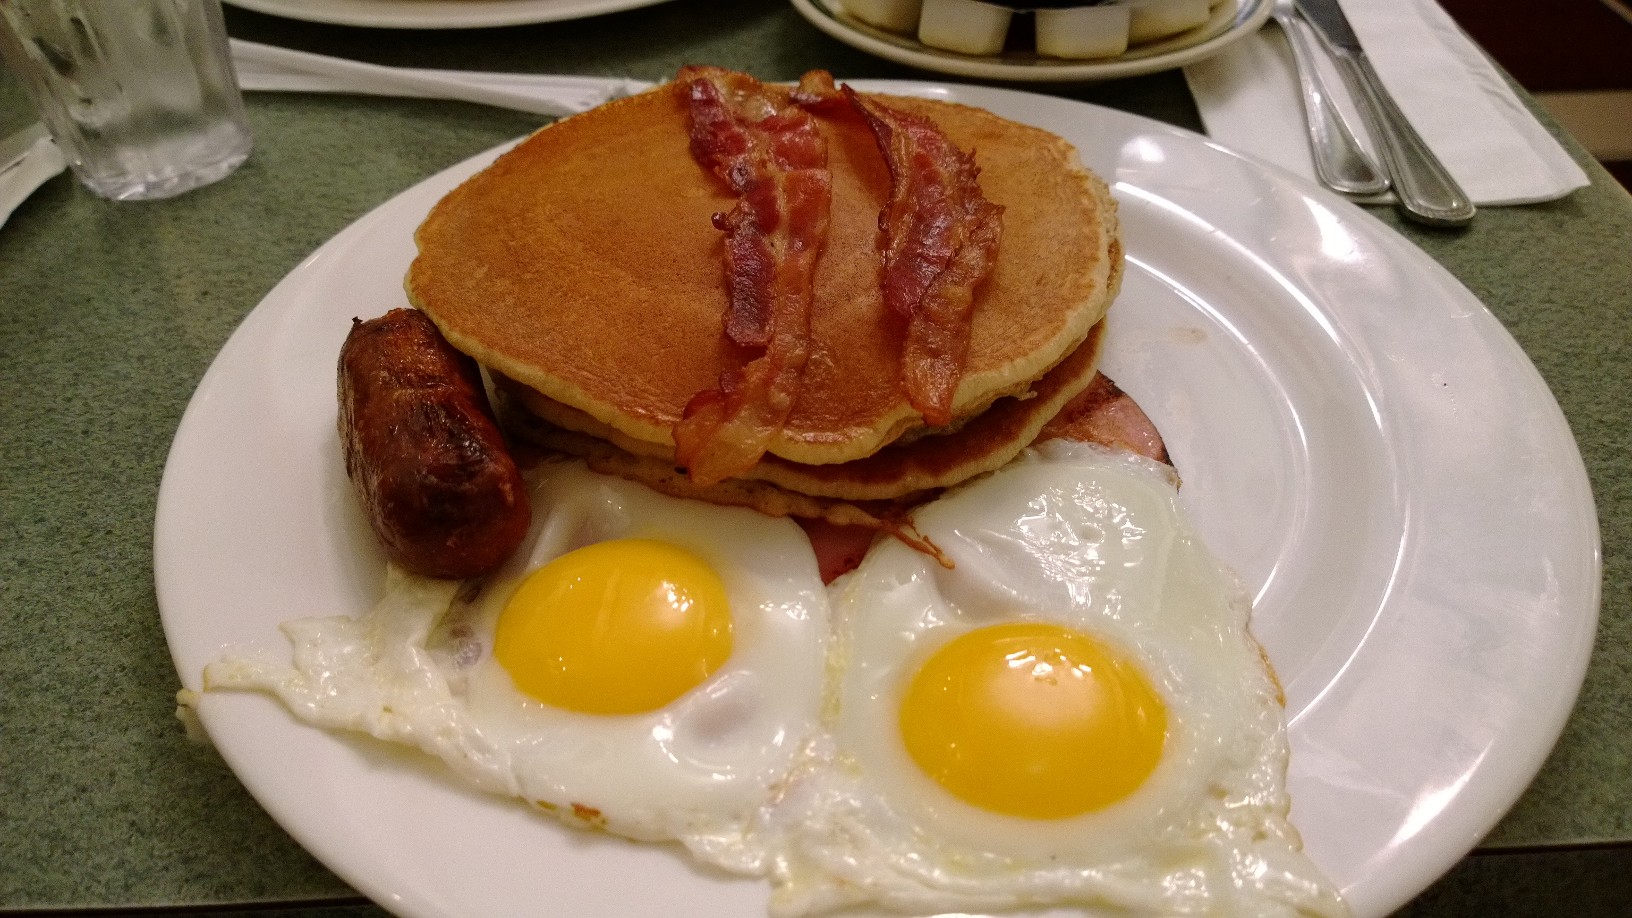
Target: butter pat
x,y
1153,19
1084,31
965,26
890,15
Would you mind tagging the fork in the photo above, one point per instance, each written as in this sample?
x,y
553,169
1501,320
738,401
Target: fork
x,y
1340,162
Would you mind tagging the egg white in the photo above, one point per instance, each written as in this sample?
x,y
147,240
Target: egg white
x,y
1095,540
788,762
418,669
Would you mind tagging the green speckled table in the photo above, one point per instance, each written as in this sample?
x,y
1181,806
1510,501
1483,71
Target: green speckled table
x,y
110,314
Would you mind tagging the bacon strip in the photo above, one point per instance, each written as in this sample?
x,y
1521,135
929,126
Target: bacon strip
x,y
772,156
939,241
816,93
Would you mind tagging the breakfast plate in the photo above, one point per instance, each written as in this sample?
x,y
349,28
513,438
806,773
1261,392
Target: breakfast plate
x,y
438,14
1229,21
1352,427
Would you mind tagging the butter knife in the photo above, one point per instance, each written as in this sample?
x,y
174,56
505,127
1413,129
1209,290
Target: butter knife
x,y
1425,190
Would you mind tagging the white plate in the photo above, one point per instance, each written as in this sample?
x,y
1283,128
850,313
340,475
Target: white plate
x,y
1358,436
1230,20
438,14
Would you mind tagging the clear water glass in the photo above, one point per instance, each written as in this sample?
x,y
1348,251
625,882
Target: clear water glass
x,y
139,94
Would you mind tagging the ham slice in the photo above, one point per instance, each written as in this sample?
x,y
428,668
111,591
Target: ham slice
x,y
1101,413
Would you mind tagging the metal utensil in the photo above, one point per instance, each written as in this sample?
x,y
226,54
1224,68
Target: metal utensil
x,y
1340,162
268,67
1426,191
27,159
18,145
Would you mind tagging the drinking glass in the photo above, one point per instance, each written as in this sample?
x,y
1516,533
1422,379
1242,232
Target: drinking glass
x,y
139,94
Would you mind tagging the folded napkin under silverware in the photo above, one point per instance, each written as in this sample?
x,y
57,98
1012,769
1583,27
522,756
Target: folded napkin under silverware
x,y
1457,100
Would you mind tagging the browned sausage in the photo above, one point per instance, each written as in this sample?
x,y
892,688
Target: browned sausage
x,y
423,451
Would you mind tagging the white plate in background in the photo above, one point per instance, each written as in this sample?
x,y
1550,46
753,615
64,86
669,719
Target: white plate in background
x,y
438,14
1229,21
1353,428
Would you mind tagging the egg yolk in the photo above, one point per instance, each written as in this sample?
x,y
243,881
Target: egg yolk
x,y
1033,720
618,627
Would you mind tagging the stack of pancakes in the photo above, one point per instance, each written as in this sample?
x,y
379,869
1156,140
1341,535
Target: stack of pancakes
x,y
583,270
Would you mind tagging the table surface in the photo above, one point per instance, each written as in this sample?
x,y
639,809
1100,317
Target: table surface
x,y
110,314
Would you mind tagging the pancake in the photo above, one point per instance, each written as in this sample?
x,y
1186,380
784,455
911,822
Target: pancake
x,y
887,516
983,443
1100,413
584,265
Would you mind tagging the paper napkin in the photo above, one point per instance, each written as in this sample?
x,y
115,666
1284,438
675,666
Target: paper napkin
x,y
1457,100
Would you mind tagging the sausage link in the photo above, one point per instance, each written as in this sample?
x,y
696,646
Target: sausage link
x,y
423,451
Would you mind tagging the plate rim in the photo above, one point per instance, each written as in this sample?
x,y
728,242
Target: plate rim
x,y
1407,882
407,14
1250,16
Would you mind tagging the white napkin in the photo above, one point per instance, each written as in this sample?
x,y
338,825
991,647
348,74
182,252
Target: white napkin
x,y
1460,104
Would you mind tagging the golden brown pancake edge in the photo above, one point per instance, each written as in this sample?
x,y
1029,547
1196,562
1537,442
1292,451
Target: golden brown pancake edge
x,y
982,444
559,322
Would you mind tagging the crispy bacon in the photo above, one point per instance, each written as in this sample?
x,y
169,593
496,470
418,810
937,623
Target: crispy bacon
x,y
939,241
817,93
775,160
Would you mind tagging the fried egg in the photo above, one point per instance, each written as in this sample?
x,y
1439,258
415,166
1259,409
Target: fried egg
x,y
1073,715
644,665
